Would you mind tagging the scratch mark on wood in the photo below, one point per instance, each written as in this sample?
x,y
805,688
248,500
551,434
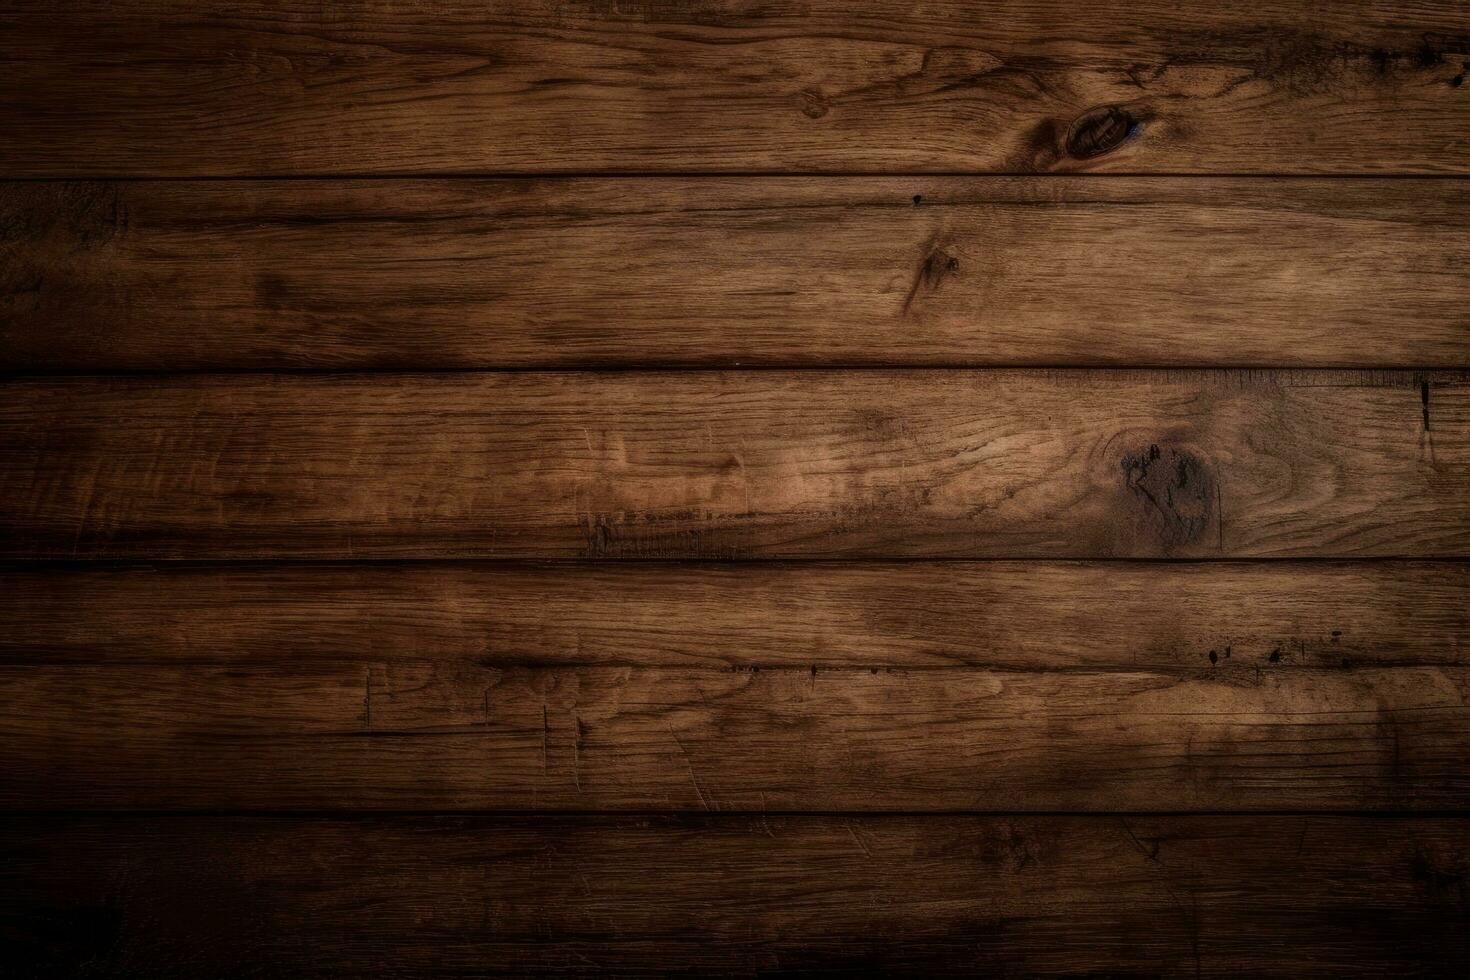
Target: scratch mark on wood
x,y
1426,437
1301,838
937,266
1220,512
1152,853
545,735
577,751
693,776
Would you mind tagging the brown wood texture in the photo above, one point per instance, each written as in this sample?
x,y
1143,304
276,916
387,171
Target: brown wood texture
x,y
470,896
273,87
1019,685
1165,618
643,487
719,465
470,737
175,276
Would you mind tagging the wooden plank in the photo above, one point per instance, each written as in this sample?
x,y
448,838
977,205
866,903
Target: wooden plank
x,y
1141,686
468,735
467,896
179,87
1165,618
987,464
178,276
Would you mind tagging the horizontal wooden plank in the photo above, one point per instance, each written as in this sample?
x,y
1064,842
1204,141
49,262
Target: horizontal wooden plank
x,y
1140,686
467,735
988,464
467,896
216,275
179,87
1166,618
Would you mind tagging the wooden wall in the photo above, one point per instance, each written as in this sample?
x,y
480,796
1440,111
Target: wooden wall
x,y
734,486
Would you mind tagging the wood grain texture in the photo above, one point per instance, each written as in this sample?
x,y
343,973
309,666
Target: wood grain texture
x,y
819,685
469,735
630,465
461,896
626,487
178,276
178,88
1164,618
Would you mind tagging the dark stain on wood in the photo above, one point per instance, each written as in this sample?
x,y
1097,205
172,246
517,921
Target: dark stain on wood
x,y
272,291
600,536
59,940
1041,148
814,104
936,266
1443,881
1175,492
72,216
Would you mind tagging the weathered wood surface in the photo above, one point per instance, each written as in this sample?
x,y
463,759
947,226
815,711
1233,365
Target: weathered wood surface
x,y
273,87
467,896
1241,734
405,759
969,464
227,275
1163,618
820,685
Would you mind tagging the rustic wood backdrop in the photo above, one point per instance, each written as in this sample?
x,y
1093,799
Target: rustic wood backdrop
x,y
637,486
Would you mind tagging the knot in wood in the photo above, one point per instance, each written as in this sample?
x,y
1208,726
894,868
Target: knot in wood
x,y
1101,131
1175,490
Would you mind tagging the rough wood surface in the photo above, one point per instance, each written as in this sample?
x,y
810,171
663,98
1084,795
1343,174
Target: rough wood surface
x,y
631,465
1250,734
819,685
470,896
1167,617
178,276
179,87
1101,607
